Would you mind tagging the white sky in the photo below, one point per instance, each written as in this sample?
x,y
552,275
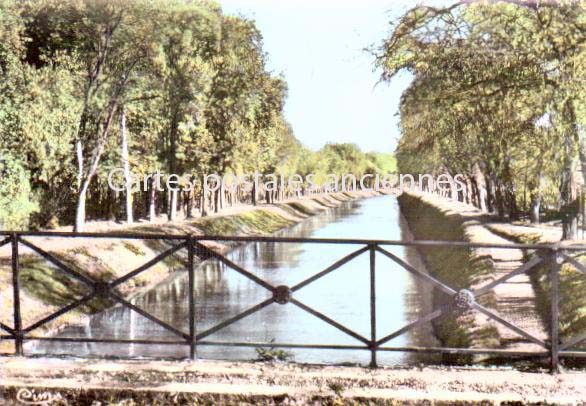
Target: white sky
x,y
319,47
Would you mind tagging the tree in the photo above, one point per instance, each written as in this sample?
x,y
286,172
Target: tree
x,y
151,86
507,63
107,40
188,35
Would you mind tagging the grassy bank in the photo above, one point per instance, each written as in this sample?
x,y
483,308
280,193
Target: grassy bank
x,y
45,289
458,267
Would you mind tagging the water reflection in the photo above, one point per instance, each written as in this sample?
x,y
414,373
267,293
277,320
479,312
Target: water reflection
x,y
222,293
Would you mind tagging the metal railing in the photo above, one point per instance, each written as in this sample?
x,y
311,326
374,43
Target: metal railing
x,y
550,255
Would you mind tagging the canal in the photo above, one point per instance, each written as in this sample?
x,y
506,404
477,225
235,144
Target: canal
x,y
222,293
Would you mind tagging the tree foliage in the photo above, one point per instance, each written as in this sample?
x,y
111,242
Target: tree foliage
x,y
497,95
164,86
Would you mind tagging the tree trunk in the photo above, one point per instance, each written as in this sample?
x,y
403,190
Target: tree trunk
x,y
254,192
216,201
189,204
172,209
84,178
222,193
126,166
535,208
511,201
172,162
80,204
569,203
80,212
500,200
489,195
152,205
112,195
467,193
204,204
568,206
474,193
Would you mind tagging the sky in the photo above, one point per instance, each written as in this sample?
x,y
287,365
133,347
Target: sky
x,y
318,45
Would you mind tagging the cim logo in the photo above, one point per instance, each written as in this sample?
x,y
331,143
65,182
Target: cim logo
x,y
31,397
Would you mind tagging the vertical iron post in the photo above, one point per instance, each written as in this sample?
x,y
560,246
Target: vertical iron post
x,y
16,296
373,344
191,270
555,310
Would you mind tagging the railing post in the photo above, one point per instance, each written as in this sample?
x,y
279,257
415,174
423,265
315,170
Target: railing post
x,y
555,310
191,277
16,296
373,345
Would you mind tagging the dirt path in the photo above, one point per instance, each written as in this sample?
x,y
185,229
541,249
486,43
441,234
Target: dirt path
x,y
242,383
516,298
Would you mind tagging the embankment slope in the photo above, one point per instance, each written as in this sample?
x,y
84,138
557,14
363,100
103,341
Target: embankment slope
x,y
433,218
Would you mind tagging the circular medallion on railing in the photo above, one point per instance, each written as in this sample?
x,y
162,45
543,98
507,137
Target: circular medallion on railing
x,y
282,294
464,299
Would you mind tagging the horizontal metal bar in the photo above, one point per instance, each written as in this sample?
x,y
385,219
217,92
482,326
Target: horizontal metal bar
x,y
554,246
103,340
431,350
284,345
156,236
466,351
572,354
126,236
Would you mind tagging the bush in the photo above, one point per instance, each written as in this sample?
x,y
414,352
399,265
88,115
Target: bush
x,y
15,193
272,354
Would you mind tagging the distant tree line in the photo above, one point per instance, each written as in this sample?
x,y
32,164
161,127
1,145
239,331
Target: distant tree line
x,y
498,95
174,86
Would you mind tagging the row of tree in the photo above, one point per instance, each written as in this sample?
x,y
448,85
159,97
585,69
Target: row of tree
x,y
168,86
498,95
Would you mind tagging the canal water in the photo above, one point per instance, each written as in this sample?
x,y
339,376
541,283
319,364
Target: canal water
x,y
221,293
